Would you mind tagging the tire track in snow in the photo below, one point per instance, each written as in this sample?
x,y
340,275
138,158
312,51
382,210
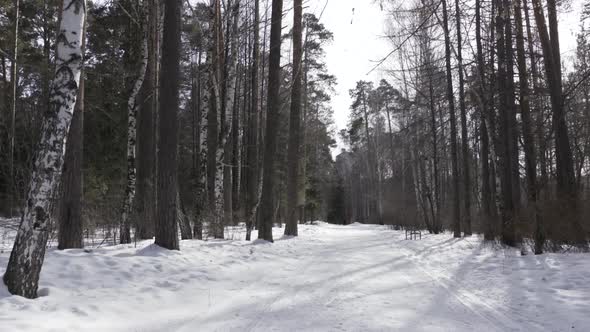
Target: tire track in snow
x,y
324,251
290,291
495,317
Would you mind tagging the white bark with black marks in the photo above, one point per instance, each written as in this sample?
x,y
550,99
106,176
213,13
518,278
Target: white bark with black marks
x,y
26,259
131,145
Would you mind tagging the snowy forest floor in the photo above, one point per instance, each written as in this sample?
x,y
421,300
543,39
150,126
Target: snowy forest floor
x,y
330,278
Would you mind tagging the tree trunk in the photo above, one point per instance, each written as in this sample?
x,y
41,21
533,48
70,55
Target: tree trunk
x,y
229,93
456,215
464,138
302,174
436,225
214,146
294,152
24,266
201,102
483,129
70,209
253,167
184,222
272,115
370,162
512,128
505,108
566,188
235,147
528,139
145,195
166,225
14,78
132,104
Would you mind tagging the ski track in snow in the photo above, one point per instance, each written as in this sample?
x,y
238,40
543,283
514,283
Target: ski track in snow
x,y
330,278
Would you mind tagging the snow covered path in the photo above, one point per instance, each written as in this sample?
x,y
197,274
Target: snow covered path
x,y
331,278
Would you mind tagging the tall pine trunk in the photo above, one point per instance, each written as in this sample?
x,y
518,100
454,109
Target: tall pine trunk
x,y
464,138
436,224
483,129
566,188
166,225
70,209
253,165
294,148
456,209
199,148
504,140
512,128
272,117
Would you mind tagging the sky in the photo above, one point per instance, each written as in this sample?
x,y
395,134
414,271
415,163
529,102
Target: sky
x,y
357,44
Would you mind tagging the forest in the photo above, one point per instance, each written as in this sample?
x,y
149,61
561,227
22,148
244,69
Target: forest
x,y
172,120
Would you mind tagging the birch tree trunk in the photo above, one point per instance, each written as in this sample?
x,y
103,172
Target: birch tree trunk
x,y
145,195
24,266
214,145
230,81
125,231
200,102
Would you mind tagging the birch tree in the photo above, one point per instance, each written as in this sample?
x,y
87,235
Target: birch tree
x,y
26,259
132,106
146,138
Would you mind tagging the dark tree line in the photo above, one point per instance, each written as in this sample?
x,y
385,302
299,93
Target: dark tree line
x,y
172,119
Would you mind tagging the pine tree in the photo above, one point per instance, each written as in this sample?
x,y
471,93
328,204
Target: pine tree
x,y
270,138
294,147
167,212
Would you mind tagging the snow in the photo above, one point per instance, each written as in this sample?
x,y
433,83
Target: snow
x,y
330,278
